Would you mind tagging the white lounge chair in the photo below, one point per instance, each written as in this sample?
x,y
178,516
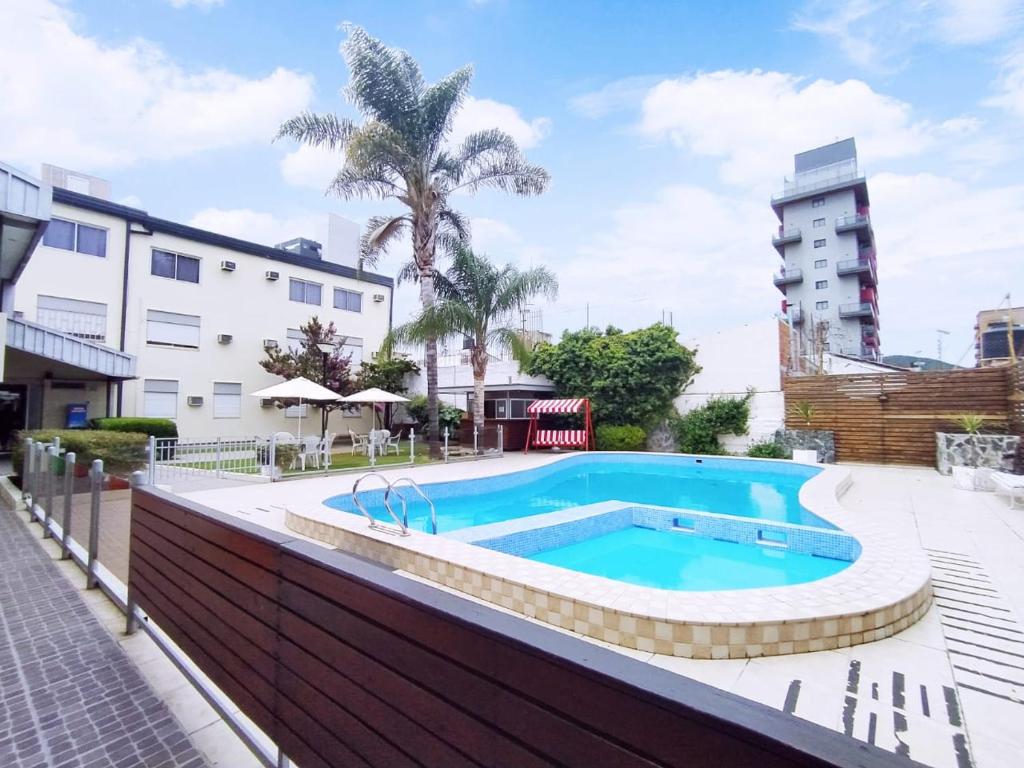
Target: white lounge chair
x,y
392,441
311,449
359,442
1009,485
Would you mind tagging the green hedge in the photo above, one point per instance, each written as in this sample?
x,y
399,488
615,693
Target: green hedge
x,y
154,427
627,437
121,452
768,449
697,431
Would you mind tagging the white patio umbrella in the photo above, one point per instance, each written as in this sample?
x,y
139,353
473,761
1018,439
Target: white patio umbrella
x,y
300,389
372,396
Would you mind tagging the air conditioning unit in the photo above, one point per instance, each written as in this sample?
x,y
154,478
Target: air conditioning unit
x,y
224,338
272,274
228,266
378,297
266,402
270,344
194,400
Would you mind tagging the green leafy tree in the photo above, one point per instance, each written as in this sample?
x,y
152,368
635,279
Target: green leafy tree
x,y
630,378
401,151
308,361
388,372
697,430
477,301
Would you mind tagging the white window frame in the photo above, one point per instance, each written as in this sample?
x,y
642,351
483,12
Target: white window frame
x,y
76,317
161,413
171,325
821,305
352,345
821,285
821,243
817,202
305,291
227,405
177,258
820,263
74,244
347,291
818,223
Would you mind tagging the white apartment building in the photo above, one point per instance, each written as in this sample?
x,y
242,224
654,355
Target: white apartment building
x,y
194,309
829,275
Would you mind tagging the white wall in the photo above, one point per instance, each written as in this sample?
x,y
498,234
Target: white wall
x,y
242,303
732,361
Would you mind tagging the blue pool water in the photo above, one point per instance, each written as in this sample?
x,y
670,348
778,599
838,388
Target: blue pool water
x,y
671,560
753,489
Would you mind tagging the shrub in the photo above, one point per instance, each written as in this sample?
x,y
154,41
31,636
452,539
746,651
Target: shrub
x,y
971,423
121,452
626,437
154,427
805,411
697,431
448,415
768,449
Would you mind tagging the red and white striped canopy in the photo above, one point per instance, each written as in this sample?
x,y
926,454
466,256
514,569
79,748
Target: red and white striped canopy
x,y
556,406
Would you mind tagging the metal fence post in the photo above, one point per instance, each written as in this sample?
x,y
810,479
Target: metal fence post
x,y
151,450
69,487
412,445
26,471
131,622
475,439
96,489
446,445
272,457
501,439
217,465
51,455
38,480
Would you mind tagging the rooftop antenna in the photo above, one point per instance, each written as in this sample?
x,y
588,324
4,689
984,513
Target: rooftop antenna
x,y
939,334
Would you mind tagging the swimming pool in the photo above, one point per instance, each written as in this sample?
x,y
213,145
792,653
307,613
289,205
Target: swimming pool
x,y
754,489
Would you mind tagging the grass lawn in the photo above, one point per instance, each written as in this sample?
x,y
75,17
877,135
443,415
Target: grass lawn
x,y
342,458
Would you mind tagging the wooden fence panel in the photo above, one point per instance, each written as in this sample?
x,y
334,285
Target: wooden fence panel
x,y
342,662
893,417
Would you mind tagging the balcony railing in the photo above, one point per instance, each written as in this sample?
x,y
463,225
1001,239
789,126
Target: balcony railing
x,y
851,223
796,315
865,268
861,309
788,277
786,236
801,186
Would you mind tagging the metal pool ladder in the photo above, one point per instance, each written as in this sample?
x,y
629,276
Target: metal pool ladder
x,y
405,508
401,526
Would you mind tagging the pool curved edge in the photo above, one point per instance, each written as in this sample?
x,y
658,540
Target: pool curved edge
x,y
883,592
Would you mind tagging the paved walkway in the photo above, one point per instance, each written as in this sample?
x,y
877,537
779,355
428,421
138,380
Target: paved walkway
x,y
69,696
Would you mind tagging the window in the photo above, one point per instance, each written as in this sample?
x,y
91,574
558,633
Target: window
x,y
170,329
821,305
295,338
351,301
819,223
160,399
175,266
818,202
296,411
303,292
72,236
352,345
825,346
819,243
84,319
820,284
227,400
820,263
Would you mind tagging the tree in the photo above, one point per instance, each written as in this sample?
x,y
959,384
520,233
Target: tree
x,y
630,378
387,371
477,301
308,361
401,151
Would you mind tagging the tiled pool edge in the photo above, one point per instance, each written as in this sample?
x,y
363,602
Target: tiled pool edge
x,y
884,592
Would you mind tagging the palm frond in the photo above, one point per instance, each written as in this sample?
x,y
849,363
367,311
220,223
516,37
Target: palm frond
x,y
442,320
318,130
515,289
351,183
408,273
380,232
509,174
386,83
439,105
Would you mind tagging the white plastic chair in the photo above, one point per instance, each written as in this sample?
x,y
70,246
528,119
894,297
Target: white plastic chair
x,y
1009,485
393,442
379,440
359,442
325,448
310,450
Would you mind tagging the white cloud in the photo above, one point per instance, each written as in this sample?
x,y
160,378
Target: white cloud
x,y
313,167
1010,85
968,22
259,226
203,5
481,114
617,95
755,121
74,100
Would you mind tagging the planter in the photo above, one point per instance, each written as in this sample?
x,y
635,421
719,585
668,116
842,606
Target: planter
x,y
955,449
822,442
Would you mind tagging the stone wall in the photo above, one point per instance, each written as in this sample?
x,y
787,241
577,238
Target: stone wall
x,y
963,450
820,440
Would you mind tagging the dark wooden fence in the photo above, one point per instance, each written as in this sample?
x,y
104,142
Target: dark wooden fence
x,y
344,663
893,417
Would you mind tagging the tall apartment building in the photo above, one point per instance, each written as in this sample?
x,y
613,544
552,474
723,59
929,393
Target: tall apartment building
x,y
829,274
994,330
184,314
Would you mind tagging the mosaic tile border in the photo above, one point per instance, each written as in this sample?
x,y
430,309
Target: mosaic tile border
x,y
886,590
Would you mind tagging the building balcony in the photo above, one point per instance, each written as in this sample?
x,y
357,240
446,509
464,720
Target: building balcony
x,y
852,223
788,277
796,315
786,236
864,268
870,353
860,309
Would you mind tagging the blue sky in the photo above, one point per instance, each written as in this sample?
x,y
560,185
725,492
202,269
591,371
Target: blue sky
x,y
665,126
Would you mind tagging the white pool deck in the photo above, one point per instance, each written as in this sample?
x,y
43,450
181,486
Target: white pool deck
x,y
948,691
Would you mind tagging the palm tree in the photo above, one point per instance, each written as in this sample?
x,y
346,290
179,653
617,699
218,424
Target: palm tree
x,y
400,151
477,301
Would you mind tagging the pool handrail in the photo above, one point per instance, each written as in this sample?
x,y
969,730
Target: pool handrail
x,y
403,528
405,510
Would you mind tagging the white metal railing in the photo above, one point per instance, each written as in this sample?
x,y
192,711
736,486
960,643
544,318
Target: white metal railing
x,y
802,184
78,324
173,457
